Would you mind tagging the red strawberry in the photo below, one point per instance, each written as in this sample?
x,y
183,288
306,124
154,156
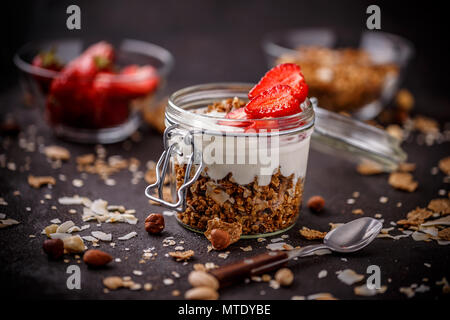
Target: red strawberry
x,y
267,124
284,74
49,61
133,81
278,101
83,69
236,114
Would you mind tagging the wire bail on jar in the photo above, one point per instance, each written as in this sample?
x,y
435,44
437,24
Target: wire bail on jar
x,y
163,164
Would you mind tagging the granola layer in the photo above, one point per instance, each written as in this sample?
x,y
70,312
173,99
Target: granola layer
x,y
259,209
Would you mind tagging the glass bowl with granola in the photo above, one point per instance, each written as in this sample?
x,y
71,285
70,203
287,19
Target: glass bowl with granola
x,y
236,153
354,76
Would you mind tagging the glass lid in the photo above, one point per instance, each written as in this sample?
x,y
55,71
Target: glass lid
x,y
342,136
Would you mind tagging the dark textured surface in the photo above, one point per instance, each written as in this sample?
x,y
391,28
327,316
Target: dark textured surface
x,y
222,45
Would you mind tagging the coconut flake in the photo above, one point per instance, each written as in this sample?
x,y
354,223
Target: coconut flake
x,y
128,236
442,221
90,238
99,206
277,246
61,236
76,200
322,274
65,226
349,276
102,236
419,236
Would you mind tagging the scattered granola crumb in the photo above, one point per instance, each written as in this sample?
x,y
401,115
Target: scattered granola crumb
x,y
363,290
284,277
113,283
77,183
444,165
395,131
403,181
367,168
311,234
182,255
426,125
383,199
408,291
404,100
358,211
440,206
445,285
444,234
321,296
57,153
37,182
415,217
406,167
148,286
176,293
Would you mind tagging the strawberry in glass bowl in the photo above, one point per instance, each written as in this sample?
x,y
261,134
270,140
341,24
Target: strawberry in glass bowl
x,y
93,93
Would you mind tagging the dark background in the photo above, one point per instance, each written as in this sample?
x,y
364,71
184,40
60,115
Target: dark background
x,y
221,41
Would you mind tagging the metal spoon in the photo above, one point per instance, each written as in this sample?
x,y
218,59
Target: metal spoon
x,y
349,237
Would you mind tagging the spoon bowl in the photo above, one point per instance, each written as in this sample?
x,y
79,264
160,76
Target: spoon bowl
x,y
353,235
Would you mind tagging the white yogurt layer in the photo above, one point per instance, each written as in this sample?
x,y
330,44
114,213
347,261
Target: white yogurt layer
x,y
246,158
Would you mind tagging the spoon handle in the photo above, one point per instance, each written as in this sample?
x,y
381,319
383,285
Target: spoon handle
x,y
242,269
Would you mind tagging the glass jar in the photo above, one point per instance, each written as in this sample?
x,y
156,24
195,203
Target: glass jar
x,y
251,171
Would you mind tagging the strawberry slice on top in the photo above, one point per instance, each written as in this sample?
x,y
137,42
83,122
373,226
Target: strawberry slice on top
x,y
278,101
284,74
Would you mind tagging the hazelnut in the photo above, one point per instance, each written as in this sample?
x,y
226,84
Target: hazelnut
x,y
96,258
284,277
220,239
316,203
154,223
54,248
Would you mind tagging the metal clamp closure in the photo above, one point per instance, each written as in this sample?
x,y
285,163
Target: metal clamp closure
x,y
163,164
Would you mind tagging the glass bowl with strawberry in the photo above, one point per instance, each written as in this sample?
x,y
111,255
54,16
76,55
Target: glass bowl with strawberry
x,y
93,92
